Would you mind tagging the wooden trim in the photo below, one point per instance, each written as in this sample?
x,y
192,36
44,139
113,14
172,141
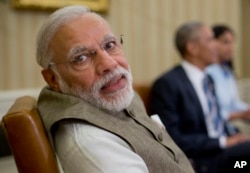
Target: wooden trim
x,y
94,5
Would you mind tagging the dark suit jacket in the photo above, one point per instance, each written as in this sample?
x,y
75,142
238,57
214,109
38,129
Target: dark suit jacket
x,y
174,99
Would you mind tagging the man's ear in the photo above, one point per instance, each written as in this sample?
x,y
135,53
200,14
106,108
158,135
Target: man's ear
x,y
51,78
192,48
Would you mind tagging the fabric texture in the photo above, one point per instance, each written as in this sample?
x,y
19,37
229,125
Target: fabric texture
x,y
214,114
175,100
178,99
149,142
226,90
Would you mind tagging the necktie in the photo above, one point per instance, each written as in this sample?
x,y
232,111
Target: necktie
x,y
214,117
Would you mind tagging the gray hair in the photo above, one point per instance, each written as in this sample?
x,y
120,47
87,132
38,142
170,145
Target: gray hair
x,y
49,29
186,33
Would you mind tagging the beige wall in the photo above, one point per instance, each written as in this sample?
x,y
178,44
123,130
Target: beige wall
x,y
147,25
245,30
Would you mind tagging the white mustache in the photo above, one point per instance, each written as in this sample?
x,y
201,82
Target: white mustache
x,y
109,77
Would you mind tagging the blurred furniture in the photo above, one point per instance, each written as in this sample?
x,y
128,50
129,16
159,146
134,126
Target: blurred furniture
x,y
143,89
4,145
27,138
8,165
244,89
8,97
244,93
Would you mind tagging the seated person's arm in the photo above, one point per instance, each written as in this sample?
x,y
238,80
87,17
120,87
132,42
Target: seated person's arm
x,y
240,115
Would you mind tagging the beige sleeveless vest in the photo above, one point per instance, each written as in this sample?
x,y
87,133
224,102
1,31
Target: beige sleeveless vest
x,y
133,125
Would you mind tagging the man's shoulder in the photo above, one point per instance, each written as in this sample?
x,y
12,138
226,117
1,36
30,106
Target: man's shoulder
x,y
176,70
172,75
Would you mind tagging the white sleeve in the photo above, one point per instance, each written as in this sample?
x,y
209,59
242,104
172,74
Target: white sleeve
x,y
83,148
157,119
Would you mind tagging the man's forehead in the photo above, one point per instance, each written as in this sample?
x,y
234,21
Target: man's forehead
x,y
91,18
87,28
87,23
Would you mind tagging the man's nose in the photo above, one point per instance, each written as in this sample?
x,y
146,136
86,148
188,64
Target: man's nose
x,y
105,62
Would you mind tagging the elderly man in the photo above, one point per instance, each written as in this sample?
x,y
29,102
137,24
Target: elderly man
x,y
94,119
184,98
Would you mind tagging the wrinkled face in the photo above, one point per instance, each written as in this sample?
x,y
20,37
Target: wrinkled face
x,y
97,70
225,45
204,51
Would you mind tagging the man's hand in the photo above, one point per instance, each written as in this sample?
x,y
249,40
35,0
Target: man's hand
x,y
240,115
236,139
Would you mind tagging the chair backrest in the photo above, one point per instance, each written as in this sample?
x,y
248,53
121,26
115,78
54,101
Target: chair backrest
x,y
144,89
244,89
27,138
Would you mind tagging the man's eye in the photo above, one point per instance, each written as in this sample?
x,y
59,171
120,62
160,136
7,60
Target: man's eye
x,y
80,59
110,45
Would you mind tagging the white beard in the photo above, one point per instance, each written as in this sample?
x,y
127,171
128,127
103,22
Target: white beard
x,y
112,103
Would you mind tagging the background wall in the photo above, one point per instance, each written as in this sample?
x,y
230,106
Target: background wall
x,y
245,22
148,27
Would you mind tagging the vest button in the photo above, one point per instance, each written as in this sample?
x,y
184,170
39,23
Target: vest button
x,y
160,137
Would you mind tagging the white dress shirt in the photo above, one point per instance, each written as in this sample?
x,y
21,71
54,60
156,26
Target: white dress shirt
x,y
226,91
196,76
102,151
